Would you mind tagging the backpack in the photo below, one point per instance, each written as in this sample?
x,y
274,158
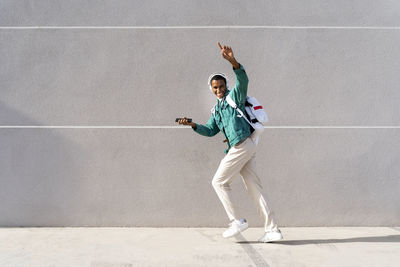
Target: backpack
x,y
255,115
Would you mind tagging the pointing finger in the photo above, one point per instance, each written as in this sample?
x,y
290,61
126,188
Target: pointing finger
x,y
220,47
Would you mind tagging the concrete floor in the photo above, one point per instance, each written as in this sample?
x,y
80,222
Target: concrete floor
x,y
117,247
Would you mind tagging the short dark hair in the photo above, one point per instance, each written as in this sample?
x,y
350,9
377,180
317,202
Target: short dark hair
x,y
217,77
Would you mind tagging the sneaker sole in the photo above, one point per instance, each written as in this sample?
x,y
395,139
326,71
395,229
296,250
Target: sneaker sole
x,y
271,240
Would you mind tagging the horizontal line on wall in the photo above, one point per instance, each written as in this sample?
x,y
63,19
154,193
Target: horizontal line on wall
x,y
183,127
333,127
201,27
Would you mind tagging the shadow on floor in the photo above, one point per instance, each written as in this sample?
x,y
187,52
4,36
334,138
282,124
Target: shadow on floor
x,y
368,239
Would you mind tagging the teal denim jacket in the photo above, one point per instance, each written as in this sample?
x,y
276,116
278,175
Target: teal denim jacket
x,y
225,118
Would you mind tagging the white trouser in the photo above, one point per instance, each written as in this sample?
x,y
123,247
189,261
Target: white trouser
x,y
241,159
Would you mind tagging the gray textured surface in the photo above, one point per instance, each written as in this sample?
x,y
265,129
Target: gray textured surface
x,y
110,77
128,247
161,177
147,177
206,12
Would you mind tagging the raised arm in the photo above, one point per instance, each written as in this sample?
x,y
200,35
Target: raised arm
x,y
239,92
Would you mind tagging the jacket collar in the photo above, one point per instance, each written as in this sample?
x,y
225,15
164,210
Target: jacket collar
x,y
223,100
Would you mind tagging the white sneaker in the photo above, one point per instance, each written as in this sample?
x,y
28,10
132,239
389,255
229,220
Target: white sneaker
x,y
235,228
271,236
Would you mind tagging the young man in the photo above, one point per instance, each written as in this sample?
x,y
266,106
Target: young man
x,y
240,157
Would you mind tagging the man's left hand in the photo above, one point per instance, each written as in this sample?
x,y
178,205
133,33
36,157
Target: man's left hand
x,y
227,53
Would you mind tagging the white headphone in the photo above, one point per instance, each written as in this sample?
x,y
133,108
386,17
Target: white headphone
x,y
215,74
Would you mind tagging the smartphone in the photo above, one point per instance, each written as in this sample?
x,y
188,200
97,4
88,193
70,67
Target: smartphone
x,y
188,119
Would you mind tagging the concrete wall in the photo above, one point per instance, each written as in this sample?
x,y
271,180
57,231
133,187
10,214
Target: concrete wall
x,y
314,76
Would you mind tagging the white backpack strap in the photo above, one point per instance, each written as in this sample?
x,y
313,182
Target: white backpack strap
x,y
233,104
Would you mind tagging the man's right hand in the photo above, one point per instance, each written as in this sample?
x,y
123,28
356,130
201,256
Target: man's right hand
x,y
185,122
